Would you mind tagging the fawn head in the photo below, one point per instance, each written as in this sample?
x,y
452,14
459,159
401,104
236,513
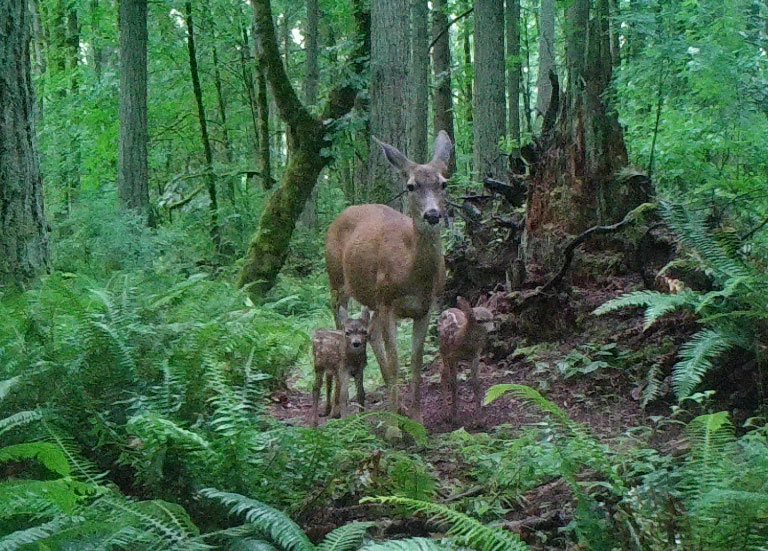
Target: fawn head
x,y
355,329
479,315
425,183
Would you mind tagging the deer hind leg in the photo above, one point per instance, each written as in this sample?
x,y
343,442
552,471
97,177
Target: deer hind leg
x,y
316,395
377,344
420,326
476,382
328,384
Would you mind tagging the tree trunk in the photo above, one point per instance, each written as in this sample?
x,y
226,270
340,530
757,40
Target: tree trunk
x,y
546,54
309,137
490,100
23,228
441,66
573,185
390,44
262,105
133,172
210,179
419,80
312,71
514,70
311,82
249,82
222,105
527,111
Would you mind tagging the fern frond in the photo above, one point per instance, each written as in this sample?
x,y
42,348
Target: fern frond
x,y
48,454
346,538
19,419
268,520
696,360
656,304
20,538
710,435
7,385
409,544
414,428
467,530
251,545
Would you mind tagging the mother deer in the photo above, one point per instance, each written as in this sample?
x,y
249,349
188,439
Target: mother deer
x,y
393,263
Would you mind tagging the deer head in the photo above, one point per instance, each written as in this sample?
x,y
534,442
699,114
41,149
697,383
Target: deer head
x,y
425,183
355,330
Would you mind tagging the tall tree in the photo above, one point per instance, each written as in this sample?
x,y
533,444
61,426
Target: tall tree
x,y
546,54
419,79
311,135
312,70
441,66
490,100
390,47
514,67
263,112
210,179
23,227
574,185
132,166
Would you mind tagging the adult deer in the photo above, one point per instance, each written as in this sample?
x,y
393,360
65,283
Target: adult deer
x,y
393,263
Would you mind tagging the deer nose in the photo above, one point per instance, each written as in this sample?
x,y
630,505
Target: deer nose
x,y
432,216
356,344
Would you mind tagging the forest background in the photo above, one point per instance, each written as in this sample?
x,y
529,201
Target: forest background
x,y
167,174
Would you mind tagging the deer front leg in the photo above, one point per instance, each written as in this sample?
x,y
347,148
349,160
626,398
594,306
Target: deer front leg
x,y
377,344
360,387
341,396
417,355
389,324
449,383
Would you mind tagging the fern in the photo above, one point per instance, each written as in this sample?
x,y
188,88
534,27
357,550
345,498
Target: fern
x,y
656,304
48,454
696,360
346,538
468,531
268,520
409,544
19,419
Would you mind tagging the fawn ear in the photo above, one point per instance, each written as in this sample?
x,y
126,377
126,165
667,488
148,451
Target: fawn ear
x,y
342,315
443,149
463,304
366,316
396,158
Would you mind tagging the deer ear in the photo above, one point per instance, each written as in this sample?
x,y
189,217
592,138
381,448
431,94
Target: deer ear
x,y
443,149
462,303
342,315
395,157
366,316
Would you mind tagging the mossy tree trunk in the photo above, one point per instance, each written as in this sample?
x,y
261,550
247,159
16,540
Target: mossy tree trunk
x,y
573,184
309,135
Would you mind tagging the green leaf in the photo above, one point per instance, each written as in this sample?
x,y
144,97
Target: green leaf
x,y
48,454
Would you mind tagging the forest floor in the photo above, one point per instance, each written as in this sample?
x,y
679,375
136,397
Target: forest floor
x,y
606,400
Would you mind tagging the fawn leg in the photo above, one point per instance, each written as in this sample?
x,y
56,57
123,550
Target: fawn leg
x,y
360,388
476,382
316,395
328,402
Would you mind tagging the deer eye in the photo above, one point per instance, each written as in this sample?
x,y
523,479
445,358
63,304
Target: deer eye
x,y
410,187
444,184
347,333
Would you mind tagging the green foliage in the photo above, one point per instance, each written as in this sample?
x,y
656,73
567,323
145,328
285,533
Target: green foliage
x,y
467,531
730,314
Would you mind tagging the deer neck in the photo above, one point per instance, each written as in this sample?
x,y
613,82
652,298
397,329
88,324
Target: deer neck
x,y
428,254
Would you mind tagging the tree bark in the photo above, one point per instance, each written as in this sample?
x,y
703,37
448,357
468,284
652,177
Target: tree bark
x,y
309,137
514,69
133,171
312,71
419,80
262,105
210,179
527,111
441,66
23,227
546,54
390,45
490,100
573,185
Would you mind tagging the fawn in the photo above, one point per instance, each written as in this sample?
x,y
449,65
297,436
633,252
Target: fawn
x,y
337,355
462,334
